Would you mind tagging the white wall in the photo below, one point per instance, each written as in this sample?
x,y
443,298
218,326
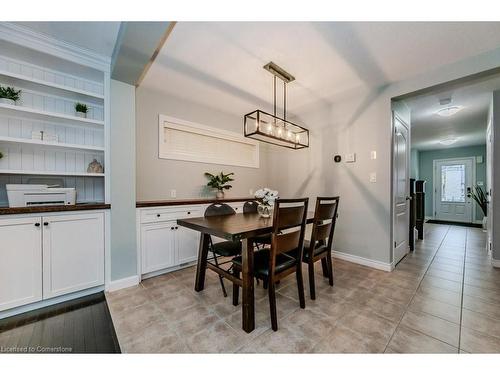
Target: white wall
x,y
156,177
123,232
360,123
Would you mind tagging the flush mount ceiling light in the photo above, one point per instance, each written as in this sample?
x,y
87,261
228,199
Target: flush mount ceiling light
x,y
449,111
270,128
448,141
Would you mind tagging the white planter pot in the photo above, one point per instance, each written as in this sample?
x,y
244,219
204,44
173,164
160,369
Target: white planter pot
x,y
220,194
81,114
7,101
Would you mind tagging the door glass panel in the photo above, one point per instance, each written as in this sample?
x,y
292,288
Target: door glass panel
x,y
453,183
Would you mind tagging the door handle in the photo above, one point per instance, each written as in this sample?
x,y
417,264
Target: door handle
x,y
408,198
46,224
37,224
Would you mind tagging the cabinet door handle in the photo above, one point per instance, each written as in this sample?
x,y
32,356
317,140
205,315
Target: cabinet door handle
x,y
157,215
176,227
189,212
37,224
46,224
172,228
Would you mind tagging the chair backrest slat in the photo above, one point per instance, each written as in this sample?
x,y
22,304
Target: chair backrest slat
x,y
289,224
325,217
219,209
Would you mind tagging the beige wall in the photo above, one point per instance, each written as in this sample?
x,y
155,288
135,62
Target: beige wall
x,y
156,177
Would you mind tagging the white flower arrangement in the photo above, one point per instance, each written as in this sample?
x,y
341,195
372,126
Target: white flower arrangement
x,y
267,196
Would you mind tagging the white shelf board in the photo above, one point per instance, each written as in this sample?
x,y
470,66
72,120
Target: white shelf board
x,y
59,117
50,173
41,82
50,144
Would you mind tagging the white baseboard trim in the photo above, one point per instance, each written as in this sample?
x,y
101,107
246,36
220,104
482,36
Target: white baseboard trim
x,y
388,267
122,283
49,302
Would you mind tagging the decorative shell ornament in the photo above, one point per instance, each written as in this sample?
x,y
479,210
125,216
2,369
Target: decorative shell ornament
x,y
95,167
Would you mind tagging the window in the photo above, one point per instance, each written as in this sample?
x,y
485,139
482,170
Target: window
x,y
453,183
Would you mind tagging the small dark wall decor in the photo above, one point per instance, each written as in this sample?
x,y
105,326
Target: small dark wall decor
x,y
337,158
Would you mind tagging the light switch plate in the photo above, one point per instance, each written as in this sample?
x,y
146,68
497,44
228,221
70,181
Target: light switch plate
x,y
350,158
479,159
373,177
173,193
480,183
373,155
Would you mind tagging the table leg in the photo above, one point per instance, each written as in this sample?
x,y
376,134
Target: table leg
x,y
201,266
248,304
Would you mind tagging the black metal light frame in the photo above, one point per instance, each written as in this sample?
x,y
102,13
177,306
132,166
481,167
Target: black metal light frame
x,y
258,118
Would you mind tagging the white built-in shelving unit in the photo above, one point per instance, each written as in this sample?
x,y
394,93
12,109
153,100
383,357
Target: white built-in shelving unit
x,y
53,77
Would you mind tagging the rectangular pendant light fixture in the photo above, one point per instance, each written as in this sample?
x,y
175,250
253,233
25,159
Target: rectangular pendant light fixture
x,y
270,128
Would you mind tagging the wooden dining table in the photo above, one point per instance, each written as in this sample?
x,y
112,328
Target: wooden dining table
x,y
237,227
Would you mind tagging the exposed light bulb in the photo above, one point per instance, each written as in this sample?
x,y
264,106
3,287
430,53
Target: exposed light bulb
x,y
269,128
280,131
297,138
289,134
256,125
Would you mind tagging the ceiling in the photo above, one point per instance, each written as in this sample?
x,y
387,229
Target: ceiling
x,y
98,37
468,125
219,64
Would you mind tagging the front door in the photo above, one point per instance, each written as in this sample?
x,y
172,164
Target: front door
x,y
452,183
401,189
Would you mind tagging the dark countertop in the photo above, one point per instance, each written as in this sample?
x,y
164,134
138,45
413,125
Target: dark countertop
x,y
182,202
42,209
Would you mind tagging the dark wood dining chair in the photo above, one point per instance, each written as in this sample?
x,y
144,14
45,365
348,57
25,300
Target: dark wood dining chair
x,y
272,265
320,245
222,249
250,207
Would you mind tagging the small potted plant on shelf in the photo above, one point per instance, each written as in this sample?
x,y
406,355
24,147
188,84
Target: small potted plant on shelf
x,y
266,197
482,201
219,182
81,110
9,95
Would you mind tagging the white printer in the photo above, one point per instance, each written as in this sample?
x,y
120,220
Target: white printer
x,y
26,195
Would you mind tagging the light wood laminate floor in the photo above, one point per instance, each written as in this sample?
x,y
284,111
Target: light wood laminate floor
x,y
442,298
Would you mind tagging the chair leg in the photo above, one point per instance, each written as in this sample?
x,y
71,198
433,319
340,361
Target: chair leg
x,y
330,268
236,288
220,277
324,266
300,286
272,306
312,286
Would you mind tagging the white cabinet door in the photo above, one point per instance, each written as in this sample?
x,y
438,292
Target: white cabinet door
x,y
20,262
187,242
158,246
73,253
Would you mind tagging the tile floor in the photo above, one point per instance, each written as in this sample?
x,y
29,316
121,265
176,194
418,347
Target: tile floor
x,y
443,298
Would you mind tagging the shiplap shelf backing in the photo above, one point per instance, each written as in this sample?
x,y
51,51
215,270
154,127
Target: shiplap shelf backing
x,y
184,140
45,76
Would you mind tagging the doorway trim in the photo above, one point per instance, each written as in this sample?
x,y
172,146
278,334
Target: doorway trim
x,y
434,186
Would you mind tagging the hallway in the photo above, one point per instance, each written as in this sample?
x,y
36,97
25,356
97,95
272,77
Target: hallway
x,y
456,306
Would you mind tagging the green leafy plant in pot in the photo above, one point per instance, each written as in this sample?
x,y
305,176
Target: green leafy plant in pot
x,y
219,182
481,199
81,109
9,95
